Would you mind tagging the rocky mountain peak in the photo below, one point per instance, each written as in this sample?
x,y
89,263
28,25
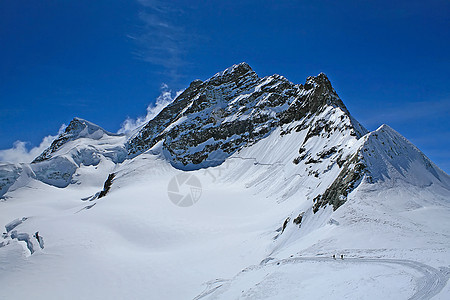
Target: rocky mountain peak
x,y
81,128
236,74
195,83
235,108
321,83
322,78
235,70
77,128
323,94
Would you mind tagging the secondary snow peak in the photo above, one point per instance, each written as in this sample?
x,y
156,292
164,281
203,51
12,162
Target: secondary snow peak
x,y
77,128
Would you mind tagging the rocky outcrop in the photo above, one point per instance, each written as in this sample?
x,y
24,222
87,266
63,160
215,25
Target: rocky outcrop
x,y
211,120
107,185
348,179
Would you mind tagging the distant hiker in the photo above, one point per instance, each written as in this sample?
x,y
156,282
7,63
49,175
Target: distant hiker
x,y
334,256
342,256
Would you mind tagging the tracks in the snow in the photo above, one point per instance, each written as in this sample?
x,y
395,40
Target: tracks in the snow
x,y
429,285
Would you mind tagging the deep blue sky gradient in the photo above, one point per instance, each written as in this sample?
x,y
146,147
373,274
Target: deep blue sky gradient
x,y
105,60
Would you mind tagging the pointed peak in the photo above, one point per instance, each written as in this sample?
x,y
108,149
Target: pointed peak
x,y
77,119
385,127
387,131
321,84
237,69
243,66
195,83
322,76
384,130
321,80
80,127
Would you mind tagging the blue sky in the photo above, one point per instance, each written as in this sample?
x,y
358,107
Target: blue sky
x,y
107,60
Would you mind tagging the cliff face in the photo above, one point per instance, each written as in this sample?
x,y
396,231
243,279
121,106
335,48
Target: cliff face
x,y
211,120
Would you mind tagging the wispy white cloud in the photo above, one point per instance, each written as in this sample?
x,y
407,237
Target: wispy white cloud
x,y
20,153
165,98
161,41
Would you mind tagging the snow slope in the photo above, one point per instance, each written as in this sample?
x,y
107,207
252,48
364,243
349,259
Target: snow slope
x,y
138,244
263,224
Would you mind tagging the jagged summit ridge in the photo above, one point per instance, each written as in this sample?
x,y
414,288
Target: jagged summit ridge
x,y
235,108
242,68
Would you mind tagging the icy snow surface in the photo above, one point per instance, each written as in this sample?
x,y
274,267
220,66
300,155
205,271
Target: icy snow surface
x,y
135,243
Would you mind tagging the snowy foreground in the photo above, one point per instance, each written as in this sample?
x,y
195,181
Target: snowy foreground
x,y
135,243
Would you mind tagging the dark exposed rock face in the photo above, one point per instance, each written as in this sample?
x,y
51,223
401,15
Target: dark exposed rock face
x,y
211,120
285,223
347,180
299,218
107,185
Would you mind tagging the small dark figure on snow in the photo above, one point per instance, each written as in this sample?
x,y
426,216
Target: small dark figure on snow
x,y
342,256
334,256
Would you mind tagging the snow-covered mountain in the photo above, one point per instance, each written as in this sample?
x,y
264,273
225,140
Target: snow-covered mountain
x,y
235,108
81,144
262,172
